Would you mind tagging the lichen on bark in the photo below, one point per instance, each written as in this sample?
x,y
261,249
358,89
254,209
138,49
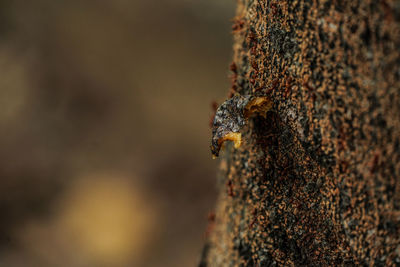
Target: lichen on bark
x,y
317,181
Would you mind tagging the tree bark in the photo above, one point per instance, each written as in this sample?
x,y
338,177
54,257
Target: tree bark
x,y
317,181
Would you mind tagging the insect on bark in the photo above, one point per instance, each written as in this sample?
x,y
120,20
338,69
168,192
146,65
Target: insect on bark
x,y
232,116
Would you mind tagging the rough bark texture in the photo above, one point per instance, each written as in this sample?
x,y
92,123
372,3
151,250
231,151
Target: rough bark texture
x,y
316,183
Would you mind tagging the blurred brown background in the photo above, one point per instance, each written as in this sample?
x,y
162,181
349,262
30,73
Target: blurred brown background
x,y
104,135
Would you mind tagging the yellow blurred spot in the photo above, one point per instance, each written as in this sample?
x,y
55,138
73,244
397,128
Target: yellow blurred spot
x,y
108,218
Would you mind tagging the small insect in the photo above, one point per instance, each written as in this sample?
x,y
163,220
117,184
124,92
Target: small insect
x,y
232,116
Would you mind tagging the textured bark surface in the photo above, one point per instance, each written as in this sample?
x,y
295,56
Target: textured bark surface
x,y
317,181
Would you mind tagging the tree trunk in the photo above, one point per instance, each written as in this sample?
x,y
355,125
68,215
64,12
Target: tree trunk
x,y
316,181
